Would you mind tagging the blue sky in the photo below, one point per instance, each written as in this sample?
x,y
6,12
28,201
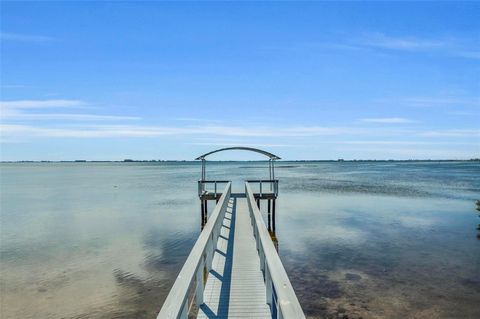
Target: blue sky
x,y
316,80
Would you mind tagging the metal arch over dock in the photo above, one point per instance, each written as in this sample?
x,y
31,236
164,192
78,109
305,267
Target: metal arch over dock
x,y
271,161
240,148
234,270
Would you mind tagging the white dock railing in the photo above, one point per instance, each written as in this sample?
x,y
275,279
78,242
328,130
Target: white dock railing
x,y
272,184
280,294
202,187
177,304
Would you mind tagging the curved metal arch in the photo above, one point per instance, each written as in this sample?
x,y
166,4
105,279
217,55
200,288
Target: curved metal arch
x,y
241,148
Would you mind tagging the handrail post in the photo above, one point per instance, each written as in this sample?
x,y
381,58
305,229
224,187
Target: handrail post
x,y
200,286
268,285
260,188
209,257
262,262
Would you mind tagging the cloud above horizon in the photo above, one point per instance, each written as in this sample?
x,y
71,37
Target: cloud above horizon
x,y
80,125
117,130
22,110
463,48
101,131
408,43
39,104
388,120
8,36
368,41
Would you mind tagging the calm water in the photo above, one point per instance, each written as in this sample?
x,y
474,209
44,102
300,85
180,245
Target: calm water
x,y
370,240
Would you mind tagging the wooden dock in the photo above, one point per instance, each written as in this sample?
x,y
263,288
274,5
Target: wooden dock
x,y
234,270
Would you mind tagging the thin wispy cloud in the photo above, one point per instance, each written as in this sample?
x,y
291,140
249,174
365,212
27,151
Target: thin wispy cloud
x,y
342,142
464,113
12,86
388,120
452,133
402,143
380,40
459,105
411,152
92,131
39,104
244,144
439,101
199,120
116,130
66,117
8,36
455,47
277,131
21,110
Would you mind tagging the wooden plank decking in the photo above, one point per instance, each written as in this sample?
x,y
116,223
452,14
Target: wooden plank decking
x,y
235,287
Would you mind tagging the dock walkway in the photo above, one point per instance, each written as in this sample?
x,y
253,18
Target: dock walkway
x,y
233,270
235,286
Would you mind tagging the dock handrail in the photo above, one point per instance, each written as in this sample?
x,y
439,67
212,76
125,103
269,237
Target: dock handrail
x,y
177,304
272,182
201,185
280,294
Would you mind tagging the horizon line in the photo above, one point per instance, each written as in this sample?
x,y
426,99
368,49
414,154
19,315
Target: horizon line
x,y
283,160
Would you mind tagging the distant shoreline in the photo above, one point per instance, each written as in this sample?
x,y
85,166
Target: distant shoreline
x,y
232,161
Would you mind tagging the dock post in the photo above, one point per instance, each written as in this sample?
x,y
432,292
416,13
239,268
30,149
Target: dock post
x,y
269,215
202,209
206,212
273,215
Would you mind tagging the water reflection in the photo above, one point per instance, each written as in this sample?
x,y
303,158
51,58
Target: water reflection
x,y
271,219
274,238
370,260
477,203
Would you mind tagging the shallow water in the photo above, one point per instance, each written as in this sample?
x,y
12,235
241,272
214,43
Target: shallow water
x,y
365,239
